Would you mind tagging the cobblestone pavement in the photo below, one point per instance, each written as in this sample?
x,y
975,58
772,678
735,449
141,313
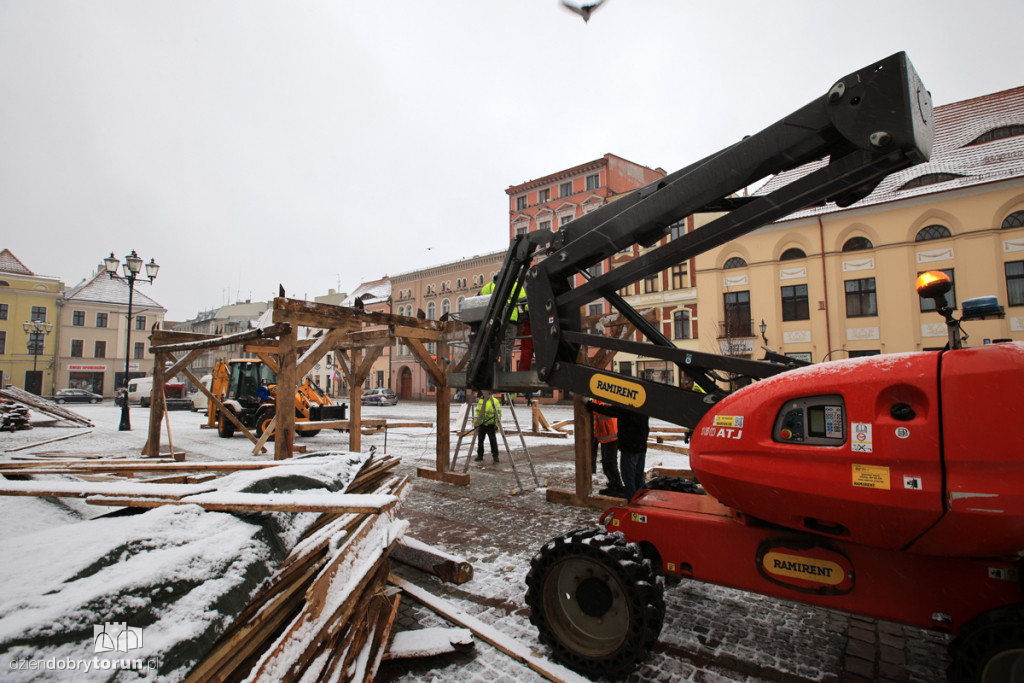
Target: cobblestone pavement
x,y
710,634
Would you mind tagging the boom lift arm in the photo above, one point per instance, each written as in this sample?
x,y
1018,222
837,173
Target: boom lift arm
x,y
870,124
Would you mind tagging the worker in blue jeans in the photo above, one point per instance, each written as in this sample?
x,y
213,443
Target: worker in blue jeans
x,y
634,429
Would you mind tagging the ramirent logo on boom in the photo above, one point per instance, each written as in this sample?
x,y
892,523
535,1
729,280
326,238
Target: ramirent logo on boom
x,y
618,390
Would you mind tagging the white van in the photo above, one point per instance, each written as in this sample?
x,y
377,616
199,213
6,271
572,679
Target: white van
x,y
198,398
139,387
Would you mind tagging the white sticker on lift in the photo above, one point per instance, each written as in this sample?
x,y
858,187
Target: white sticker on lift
x,y
912,483
834,422
861,437
902,432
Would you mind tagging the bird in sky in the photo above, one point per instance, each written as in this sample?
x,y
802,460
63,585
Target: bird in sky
x,y
583,10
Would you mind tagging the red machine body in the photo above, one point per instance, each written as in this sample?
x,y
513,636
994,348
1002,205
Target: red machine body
x,y
884,486
898,452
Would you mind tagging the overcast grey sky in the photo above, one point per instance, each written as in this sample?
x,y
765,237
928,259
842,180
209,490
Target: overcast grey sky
x,y
321,143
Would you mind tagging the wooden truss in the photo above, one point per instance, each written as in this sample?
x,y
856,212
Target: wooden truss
x,y
355,336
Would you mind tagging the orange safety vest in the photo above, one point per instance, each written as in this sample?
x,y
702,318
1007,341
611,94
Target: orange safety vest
x,y
606,428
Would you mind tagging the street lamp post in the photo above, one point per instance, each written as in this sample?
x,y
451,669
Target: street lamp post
x,y
35,328
132,268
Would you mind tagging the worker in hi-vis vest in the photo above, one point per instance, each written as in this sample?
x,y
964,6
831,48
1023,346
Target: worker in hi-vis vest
x,y
488,414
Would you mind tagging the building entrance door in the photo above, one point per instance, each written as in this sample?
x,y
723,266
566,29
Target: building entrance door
x,y
34,382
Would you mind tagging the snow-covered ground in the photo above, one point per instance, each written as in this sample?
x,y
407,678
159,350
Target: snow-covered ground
x,y
67,569
710,632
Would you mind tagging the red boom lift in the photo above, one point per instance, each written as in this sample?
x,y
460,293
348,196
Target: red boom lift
x,y
881,486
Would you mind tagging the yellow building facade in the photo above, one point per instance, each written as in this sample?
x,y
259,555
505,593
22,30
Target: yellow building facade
x,y
26,298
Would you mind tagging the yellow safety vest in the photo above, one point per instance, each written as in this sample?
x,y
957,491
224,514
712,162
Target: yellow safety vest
x,y
488,412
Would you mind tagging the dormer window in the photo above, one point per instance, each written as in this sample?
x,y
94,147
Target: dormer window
x,y
1010,131
929,179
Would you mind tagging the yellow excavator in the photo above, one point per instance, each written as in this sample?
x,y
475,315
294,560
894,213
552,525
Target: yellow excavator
x,y
248,388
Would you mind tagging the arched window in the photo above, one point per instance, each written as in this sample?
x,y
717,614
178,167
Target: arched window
x,y
446,307
857,244
431,311
735,262
459,303
792,254
932,232
1014,220
998,134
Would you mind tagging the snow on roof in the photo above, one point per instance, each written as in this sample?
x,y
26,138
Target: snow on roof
x,y
9,263
370,292
956,126
102,288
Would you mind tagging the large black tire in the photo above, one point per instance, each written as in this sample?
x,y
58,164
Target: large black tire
x,y
307,434
990,648
677,484
263,419
595,601
225,427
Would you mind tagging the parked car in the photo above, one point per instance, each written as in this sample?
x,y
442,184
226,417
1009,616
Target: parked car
x,y
76,396
379,397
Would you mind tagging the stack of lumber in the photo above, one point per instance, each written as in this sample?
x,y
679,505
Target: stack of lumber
x,y
13,416
326,614
41,405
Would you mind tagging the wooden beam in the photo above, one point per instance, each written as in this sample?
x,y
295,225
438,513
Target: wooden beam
x,y
406,332
367,338
287,381
157,405
510,646
272,345
311,314
334,504
183,363
423,356
270,361
443,400
595,502
447,477
225,340
163,337
319,349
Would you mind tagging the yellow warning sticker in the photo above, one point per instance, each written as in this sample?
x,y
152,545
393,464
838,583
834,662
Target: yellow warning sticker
x,y
729,421
871,476
618,390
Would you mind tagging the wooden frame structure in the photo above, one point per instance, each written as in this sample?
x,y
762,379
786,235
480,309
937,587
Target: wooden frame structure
x,y
355,336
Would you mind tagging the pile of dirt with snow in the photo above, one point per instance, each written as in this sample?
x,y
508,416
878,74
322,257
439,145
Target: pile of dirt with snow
x,y
175,576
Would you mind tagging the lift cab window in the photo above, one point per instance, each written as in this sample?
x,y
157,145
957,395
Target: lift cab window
x,y
815,421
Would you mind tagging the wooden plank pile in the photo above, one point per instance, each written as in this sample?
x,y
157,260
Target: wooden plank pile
x,y
43,406
326,614
13,416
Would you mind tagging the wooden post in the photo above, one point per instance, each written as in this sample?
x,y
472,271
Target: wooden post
x,y
284,436
157,405
443,410
355,403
